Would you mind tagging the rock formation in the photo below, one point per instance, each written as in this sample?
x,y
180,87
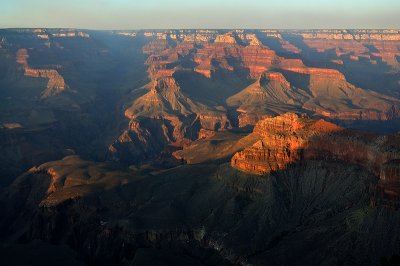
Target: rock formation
x,y
227,38
358,43
324,91
55,84
164,116
281,84
288,138
271,94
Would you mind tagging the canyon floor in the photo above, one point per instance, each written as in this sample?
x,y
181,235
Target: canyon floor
x,y
199,147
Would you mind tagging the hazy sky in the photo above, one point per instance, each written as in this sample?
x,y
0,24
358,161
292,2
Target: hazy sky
x,y
138,14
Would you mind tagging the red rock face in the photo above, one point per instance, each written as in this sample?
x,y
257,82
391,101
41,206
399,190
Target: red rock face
x,y
56,83
318,72
253,58
225,38
288,138
282,140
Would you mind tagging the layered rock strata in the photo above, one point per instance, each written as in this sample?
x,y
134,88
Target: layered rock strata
x,y
288,138
56,83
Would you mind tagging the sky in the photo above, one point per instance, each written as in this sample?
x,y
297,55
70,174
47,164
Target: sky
x,y
173,14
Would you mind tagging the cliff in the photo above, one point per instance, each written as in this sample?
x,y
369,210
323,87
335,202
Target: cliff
x,y
252,58
288,138
228,38
55,84
357,43
380,35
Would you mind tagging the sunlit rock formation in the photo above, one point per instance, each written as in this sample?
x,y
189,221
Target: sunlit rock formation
x,y
288,139
55,84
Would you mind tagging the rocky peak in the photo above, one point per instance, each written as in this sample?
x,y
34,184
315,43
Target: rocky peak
x,y
253,40
282,141
285,124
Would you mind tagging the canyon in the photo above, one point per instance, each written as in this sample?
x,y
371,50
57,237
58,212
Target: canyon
x,y
176,57
200,146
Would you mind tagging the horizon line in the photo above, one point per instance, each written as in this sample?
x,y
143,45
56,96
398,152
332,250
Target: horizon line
x,y
142,29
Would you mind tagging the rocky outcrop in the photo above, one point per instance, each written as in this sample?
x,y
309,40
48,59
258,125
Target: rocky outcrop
x,y
55,84
318,72
228,38
281,141
252,39
287,139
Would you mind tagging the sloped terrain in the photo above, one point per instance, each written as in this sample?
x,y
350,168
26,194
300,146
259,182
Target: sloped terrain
x,y
311,209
